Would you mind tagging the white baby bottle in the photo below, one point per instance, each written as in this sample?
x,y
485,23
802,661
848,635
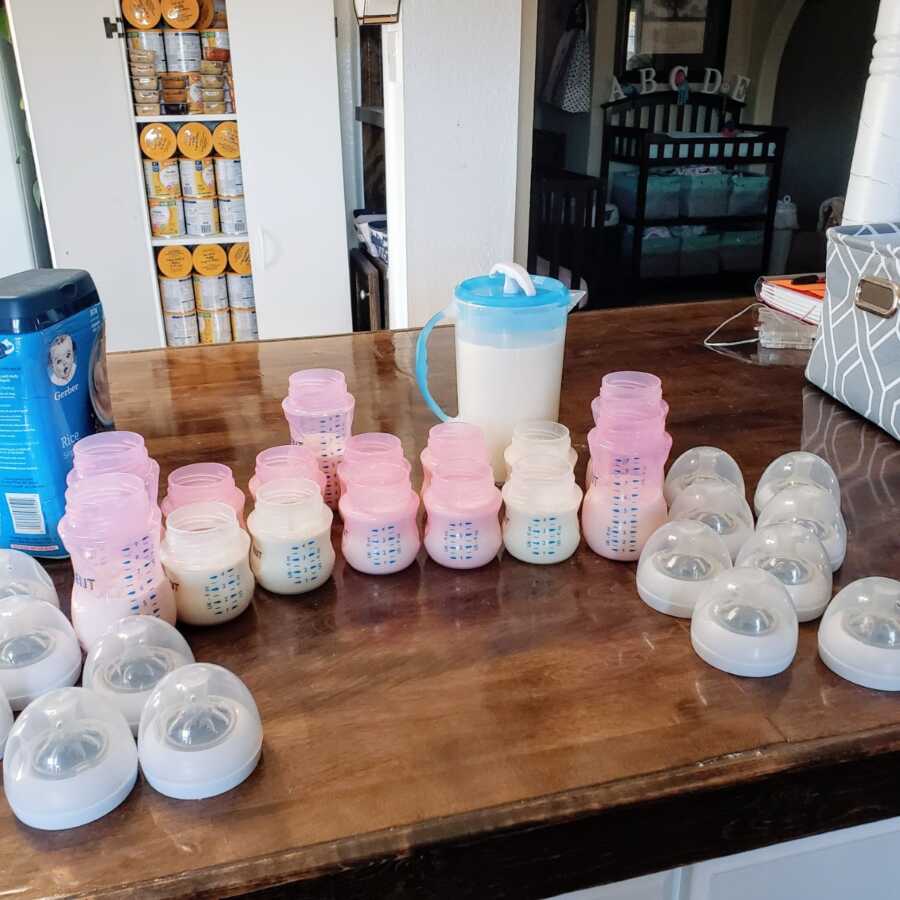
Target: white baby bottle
x,y
206,555
291,530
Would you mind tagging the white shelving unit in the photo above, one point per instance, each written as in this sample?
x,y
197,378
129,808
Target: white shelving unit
x,y
91,173
197,117
194,240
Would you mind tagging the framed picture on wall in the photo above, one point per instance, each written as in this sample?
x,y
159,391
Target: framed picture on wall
x,y
667,33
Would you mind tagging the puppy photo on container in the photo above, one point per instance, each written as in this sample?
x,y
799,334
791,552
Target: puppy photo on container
x,y
61,366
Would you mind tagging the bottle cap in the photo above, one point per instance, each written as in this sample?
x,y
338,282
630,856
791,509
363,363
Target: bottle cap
x,y
22,575
701,463
6,720
798,467
718,504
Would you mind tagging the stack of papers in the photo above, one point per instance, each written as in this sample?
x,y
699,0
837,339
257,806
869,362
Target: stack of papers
x,y
800,296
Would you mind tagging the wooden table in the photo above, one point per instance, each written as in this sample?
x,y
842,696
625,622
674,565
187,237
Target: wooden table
x,y
512,732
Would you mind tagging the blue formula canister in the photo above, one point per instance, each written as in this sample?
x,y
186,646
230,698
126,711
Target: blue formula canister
x,y
53,391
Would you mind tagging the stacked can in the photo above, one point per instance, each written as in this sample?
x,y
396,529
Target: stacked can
x,y
211,294
176,292
158,143
180,87
229,179
218,94
241,300
198,184
146,60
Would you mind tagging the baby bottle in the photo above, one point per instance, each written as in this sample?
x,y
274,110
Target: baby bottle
x,y
529,438
115,451
370,447
319,411
452,440
379,509
291,530
542,500
206,555
629,447
203,483
111,531
463,528
288,461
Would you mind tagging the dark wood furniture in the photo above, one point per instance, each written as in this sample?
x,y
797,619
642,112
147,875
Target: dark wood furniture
x,y
511,732
368,286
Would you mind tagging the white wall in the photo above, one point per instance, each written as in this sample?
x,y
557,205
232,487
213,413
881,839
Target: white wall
x,y
349,88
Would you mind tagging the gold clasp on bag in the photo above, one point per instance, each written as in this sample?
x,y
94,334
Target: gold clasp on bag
x,y
878,296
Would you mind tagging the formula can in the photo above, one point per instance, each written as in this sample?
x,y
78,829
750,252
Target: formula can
x,y
232,216
177,295
225,140
161,177
197,177
180,14
183,51
209,259
210,292
166,216
229,177
243,324
158,141
142,14
215,44
201,216
195,140
207,14
174,261
240,291
181,330
215,326
239,258
147,40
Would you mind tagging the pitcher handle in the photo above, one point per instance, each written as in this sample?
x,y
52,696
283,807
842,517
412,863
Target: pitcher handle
x,y
422,364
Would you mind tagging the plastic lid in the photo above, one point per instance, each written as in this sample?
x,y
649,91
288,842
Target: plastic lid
x,y
679,559
718,504
815,509
195,140
127,663
38,650
6,720
207,14
701,463
209,259
69,760
744,623
859,637
181,14
175,261
142,14
158,141
239,258
792,469
200,733
796,557
503,291
21,575
38,298
226,141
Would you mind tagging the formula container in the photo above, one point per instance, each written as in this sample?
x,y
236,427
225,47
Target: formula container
x,y
161,177
206,554
379,509
229,177
177,295
216,44
180,14
182,330
210,293
207,14
232,215
226,141
115,451
203,483
215,326
510,334
463,528
448,441
166,216
541,510
209,259
111,530
243,324
195,140
183,51
239,258
201,216
157,140
240,291
141,14
53,369
151,40
291,530
197,177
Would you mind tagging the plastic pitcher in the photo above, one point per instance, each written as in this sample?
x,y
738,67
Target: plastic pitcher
x,y
510,333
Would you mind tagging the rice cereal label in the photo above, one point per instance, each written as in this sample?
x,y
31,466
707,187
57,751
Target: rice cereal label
x,y
240,291
210,292
177,294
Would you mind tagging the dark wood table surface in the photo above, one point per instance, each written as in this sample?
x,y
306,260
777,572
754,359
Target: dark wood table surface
x,y
515,731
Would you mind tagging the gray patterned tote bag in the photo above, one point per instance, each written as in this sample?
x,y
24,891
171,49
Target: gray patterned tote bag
x,y
856,357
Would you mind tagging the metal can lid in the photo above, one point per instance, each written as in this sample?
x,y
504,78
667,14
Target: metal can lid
x,y
239,258
195,140
143,14
181,14
225,140
175,261
209,259
158,141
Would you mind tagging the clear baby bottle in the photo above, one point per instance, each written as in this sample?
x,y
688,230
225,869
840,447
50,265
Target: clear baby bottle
x,y
319,411
452,440
791,469
379,509
371,447
206,555
291,530
203,483
541,519
115,451
463,505
701,464
21,574
542,439
111,531
629,447
718,504
288,461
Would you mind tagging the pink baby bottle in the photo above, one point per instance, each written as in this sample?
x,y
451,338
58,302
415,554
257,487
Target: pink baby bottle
x,y
111,531
288,461
452,440
379,509
319,411
115,451
629,448
371,447
462,502
203,483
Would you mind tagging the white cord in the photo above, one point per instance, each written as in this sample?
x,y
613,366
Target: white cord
x,y
712,345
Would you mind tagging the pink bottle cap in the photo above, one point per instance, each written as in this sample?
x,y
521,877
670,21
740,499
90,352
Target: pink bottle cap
x,y
376,488
316,392
463,484
114,451
288,461
113,506
455,440
203,483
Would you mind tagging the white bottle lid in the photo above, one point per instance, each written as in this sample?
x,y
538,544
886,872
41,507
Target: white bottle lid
x,y
719,505
6,720
200,733
791,469
23,575
701,463
127,663
70,758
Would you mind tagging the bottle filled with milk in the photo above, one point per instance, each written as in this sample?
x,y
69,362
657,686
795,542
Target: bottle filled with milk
x,y
510,334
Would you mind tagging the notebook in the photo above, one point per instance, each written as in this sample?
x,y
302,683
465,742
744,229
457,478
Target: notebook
x,y
801,300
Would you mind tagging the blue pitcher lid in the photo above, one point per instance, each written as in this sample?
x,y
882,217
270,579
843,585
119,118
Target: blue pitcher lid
x,y
503,292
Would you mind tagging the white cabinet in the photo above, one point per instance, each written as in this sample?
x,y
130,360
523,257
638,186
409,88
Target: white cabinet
x,y
78,99
660,886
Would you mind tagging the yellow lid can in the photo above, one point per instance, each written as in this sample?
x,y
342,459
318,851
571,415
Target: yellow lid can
x,y
239,258
225,140
175,261
158,141
207,13
209,259
142,14
181,14
195,140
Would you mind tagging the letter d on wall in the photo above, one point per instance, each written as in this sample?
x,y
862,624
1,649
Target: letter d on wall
x,y
712,81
